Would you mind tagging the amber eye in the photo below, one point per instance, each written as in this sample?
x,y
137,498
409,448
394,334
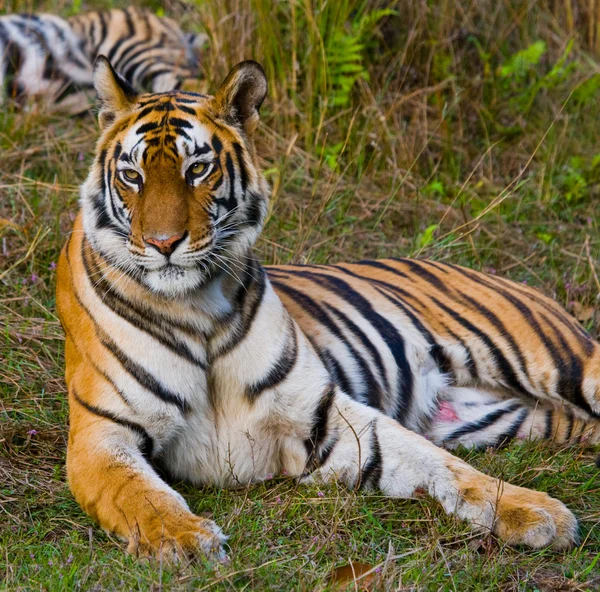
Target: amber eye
x,y
131,175
198,168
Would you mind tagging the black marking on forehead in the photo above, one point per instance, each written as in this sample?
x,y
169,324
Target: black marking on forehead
x,y
124,157
199,150
179,122
147,127
180,99
164,106
145,111
187,110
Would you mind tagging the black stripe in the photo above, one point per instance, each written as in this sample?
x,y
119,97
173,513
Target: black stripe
x,y
281,369
129,69
199,150
370,475
513,430
255,209
127,55
217,145
148,78
147,127
481,424
418,269
144,378
319,430
242,165
372,387
114,49
187,110
147,443
502,363
392,338
335,369
499,325
378,265
145,111
102,38
326,450
570,373
569,426
548,428
470,362
365,341
180,123
322,316
180,99
437,351
249,298
141,375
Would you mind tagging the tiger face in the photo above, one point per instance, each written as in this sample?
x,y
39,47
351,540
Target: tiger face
x,y
175,196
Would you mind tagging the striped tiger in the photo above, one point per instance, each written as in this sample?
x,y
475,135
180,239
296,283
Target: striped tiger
x,y
186,358
49,59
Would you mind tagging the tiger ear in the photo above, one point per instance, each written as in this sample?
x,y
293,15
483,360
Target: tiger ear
x,y
116,95
241,95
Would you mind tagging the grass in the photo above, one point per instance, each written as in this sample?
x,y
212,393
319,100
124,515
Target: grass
x,y
465,132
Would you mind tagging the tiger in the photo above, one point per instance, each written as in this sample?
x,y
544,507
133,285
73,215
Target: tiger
x,y
49,59
187,360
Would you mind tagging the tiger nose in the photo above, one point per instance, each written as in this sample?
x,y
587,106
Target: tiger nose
x,y
165,245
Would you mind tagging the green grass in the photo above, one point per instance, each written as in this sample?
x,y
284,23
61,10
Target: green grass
x,y
464,132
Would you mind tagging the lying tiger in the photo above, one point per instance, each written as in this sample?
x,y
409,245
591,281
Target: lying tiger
x,y
49,59
187,358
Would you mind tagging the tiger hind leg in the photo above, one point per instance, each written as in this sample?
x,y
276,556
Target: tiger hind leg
x,y
477,418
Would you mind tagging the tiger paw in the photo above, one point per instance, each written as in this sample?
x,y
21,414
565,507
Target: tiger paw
x,y
533,518
176,539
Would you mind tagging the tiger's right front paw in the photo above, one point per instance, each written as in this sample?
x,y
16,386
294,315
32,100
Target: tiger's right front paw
x,y
175,538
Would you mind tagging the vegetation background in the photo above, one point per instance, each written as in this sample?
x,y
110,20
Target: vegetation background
x,y
466,131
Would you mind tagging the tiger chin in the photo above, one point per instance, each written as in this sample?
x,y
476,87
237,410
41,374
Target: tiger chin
x,y
184,353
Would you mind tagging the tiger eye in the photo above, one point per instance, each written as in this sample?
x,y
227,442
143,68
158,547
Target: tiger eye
x,y
132,175
198,168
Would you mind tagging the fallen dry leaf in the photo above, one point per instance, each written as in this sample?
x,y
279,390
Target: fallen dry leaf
x,y
351,577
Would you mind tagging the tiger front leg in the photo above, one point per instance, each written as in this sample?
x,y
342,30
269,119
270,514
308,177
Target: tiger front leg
x,y
115,484
367,449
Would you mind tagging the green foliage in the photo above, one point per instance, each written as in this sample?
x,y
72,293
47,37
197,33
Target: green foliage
x,y
579,179
426,236
345,53
522,63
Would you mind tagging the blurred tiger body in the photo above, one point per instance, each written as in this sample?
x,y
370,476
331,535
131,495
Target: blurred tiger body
x,y
184,353
48,59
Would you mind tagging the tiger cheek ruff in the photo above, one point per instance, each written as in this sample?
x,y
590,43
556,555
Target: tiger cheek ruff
x,y
183,352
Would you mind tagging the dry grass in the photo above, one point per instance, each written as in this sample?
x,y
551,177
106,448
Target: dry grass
x,y
447,148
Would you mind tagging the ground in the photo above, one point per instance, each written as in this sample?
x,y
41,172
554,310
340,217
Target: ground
x,y
465,132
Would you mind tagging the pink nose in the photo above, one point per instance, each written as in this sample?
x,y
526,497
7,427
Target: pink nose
x,y
166,245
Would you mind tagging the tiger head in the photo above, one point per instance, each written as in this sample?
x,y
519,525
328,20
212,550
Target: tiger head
x,y
175,196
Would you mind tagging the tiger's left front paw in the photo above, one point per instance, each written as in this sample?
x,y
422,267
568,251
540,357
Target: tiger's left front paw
x,y
533,518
